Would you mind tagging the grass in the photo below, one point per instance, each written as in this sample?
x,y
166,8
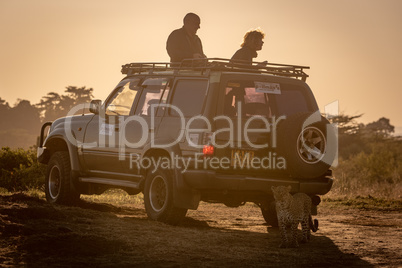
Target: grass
x,y
365,202
112,196
349,187
121,199
115,197
362,195
381,196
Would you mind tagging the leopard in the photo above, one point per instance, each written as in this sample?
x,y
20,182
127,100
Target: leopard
x,y
292,210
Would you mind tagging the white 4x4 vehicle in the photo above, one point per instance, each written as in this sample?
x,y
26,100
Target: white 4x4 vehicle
x,y
207,130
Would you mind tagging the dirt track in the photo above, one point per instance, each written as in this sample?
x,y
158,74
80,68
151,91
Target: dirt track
x,y
34,233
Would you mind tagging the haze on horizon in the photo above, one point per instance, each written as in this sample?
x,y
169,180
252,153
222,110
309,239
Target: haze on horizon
x,y
352,47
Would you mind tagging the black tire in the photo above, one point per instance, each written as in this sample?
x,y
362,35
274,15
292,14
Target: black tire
x,y
58,188
158,198
304,146
269,214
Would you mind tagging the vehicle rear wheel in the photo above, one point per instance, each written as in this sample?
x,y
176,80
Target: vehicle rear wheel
x,y
158,198
269,214
58,181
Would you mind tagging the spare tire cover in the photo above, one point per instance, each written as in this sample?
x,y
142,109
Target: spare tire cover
x,y
308,143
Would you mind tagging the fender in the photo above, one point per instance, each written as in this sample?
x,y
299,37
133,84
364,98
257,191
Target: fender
x,y
171,150
183,195
58,142
58,139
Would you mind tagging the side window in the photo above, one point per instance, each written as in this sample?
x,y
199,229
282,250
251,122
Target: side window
x,y
189,97
151,95
123,98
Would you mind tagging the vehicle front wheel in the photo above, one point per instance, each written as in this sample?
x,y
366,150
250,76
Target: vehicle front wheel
x,y
58,181
158,198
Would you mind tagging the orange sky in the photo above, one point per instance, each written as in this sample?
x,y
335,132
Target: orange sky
x,y
352,47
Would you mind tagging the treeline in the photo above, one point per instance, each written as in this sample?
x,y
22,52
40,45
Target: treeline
x,y
20,124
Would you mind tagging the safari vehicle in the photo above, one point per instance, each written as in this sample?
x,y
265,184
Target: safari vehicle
x,y
210,130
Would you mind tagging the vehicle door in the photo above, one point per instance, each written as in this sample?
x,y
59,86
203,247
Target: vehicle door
x,y
186,102
137,132
101,148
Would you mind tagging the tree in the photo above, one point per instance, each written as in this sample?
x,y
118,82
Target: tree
x,y
4,114
20,124
25,116
349,135
347,125
80,94
54,106
49,106
381,128
3,104
356,137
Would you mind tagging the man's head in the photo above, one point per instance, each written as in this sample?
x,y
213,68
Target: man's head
x,y
253,39
191,23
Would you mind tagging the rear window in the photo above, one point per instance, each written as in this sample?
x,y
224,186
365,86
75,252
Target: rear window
x,y
246,101
189,97
290,102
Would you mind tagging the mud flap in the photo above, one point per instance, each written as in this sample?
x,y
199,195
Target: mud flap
x,y
184,196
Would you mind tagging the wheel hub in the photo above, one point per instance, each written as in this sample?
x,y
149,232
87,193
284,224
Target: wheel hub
x,y
54,182
311,145
158,193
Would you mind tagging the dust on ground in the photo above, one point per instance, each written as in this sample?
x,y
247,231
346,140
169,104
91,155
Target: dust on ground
x,y
35,233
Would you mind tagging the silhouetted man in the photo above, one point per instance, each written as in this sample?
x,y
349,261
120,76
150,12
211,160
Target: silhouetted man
x,y
183,43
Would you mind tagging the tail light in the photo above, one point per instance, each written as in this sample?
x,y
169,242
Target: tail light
x,y
208,149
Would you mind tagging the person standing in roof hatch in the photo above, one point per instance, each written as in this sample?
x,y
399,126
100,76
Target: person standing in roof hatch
x,y
252,42
183,43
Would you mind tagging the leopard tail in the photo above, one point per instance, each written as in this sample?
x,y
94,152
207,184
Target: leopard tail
x,y
313,226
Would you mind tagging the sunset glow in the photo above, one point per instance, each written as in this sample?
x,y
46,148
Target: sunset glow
x,y
352,47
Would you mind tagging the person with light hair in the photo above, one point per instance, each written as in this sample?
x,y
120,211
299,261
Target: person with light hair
x,y
252,42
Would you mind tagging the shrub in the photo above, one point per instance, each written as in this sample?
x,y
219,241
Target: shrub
x,y
19,170
377,172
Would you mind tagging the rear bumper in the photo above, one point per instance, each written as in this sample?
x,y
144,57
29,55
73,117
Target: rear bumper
x,y
210,180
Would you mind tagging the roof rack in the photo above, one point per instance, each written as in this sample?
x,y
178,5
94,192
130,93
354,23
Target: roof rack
x,y
217,64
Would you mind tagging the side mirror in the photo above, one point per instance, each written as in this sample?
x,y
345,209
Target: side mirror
x,y
95,106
